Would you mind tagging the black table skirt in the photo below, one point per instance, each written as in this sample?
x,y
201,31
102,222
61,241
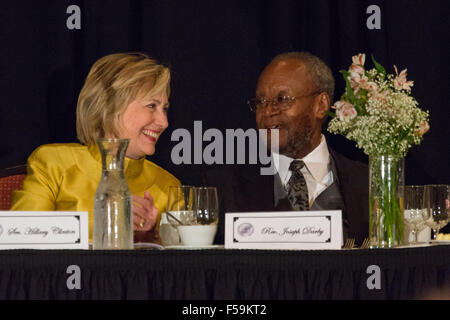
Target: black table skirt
x,y
224,274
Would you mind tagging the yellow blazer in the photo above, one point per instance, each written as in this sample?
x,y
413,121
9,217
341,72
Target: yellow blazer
x,y
65,177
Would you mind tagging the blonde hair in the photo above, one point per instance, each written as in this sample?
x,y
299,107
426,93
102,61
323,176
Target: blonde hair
x,y
112,83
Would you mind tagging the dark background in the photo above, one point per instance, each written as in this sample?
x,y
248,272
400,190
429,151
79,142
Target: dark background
x,y
216,50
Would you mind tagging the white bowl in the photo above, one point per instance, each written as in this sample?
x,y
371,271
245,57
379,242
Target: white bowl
x,y
198,235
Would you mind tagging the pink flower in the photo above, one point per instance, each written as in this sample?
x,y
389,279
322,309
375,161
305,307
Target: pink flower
x,y
422,128
400,81
356,68
359,59
357,81
358,63
371,87
344,110
381,96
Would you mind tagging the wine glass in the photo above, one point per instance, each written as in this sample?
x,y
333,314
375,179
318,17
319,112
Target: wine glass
x,y
180,205
415,210
206,205
202,230
437,199
194,213
179,211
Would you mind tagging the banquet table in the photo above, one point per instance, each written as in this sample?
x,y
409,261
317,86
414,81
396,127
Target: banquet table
x,y
222,274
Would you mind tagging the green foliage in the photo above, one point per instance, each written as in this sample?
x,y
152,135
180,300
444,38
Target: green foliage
x,y
378,66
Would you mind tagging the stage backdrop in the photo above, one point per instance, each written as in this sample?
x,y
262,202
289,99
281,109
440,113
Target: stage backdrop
x,y
216,50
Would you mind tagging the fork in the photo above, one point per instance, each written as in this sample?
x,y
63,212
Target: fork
x,y
349,243
365,244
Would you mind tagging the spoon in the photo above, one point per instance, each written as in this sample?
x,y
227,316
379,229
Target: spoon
x,y
170,215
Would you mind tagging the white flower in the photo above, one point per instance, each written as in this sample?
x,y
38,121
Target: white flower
x,y
400,81
344,110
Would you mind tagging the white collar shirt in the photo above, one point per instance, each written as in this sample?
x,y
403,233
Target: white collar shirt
x,y
317,170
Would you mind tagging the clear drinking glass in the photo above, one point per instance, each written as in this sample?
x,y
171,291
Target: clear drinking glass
x,y
168,233
415,209
180,205
206,205
194,212
437,199
203,228
113,219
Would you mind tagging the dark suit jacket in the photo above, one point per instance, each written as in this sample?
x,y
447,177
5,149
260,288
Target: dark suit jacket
x,y
243,189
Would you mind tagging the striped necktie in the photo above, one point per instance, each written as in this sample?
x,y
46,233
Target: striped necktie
x,y
297,188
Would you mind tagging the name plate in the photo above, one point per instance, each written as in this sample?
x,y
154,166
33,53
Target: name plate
x,y
44,230
301,230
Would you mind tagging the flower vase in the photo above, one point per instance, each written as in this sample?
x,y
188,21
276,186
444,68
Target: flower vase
x,y
386,184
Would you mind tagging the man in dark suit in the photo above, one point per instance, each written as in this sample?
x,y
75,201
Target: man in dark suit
x,y
293,95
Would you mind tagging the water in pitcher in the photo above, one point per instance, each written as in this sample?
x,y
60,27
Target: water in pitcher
x,y
113,227
113,224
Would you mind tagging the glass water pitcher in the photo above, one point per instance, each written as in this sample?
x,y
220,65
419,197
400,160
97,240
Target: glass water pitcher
x,y
113,219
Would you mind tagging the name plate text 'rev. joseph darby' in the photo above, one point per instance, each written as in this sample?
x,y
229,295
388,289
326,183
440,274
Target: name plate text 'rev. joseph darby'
x,y
302,230
44,230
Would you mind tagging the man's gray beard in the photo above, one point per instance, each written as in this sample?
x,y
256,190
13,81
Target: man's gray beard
x,y
297,143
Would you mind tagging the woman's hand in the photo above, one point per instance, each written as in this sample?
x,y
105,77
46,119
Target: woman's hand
x,y
144,212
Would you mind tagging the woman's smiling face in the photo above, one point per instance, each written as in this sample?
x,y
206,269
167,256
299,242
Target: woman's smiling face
x,y
143,121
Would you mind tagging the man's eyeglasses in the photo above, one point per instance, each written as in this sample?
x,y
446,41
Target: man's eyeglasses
x,y
279,103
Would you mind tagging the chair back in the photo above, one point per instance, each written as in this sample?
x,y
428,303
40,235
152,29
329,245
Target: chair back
x,y
10,179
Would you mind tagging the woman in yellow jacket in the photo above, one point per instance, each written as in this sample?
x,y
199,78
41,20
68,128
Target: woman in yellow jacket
x,y
124,96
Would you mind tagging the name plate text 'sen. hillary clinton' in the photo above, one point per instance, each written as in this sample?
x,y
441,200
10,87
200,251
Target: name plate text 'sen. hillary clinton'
x,y
284,230
44,230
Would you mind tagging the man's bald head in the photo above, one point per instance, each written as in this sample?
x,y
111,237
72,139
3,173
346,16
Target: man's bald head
x,y
319,73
